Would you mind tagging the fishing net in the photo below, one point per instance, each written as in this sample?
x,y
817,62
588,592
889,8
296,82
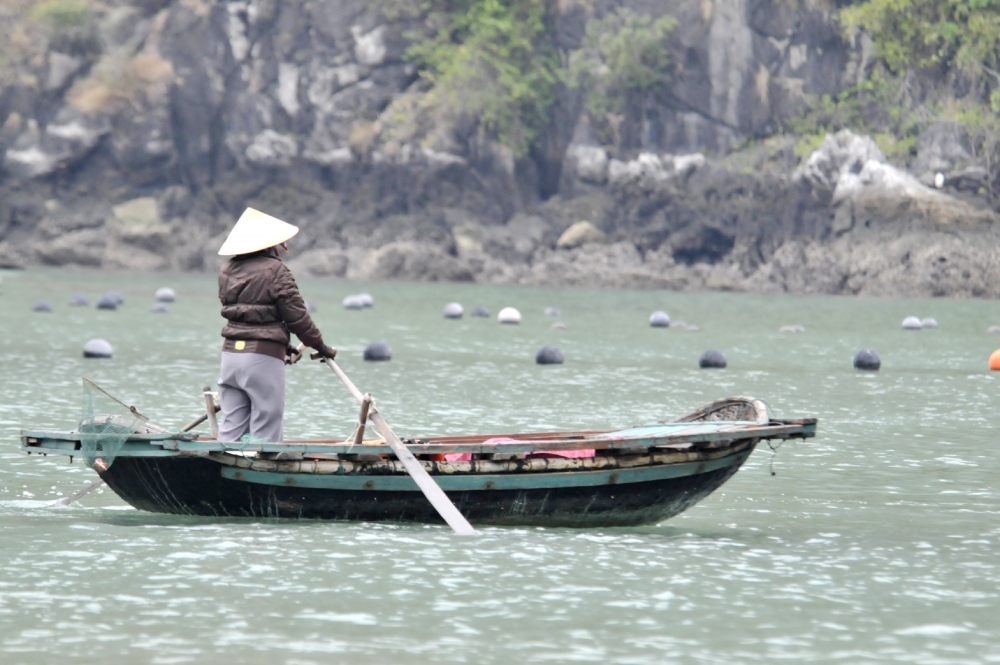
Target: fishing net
x,y
105,426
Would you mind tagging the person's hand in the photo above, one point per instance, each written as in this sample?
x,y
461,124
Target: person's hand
x,y
292,355
324,351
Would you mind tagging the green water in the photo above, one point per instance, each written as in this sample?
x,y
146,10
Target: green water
x,y
875,542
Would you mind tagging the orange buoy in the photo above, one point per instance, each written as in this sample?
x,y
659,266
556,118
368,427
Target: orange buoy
x,y
995,360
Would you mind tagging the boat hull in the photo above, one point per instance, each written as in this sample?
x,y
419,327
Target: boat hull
x,y
617,497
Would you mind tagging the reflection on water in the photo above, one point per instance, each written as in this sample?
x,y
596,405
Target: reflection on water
x,y
875,542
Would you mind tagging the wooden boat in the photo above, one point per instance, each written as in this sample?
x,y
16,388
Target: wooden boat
x,y
639,475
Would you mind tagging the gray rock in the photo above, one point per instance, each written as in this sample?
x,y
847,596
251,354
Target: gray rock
x,y
41,306
549,355
480,312
160,308
97,348
580,233
867,359
912,323
941,147
165,294
418,261
453,310
78,301
659,320
269,148
331,262
62,68
137,213
591,163
378,351
712,359
929,322
838,154
67,139
107,301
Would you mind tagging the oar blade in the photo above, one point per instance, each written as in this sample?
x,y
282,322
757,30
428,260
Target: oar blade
x,y
455,519
431,489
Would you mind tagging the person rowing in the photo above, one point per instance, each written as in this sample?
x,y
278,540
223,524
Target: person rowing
x,y
262,307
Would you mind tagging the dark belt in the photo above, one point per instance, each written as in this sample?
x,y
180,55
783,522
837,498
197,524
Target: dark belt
x,y
263,347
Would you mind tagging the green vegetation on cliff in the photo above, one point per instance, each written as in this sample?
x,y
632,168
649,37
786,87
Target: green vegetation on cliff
x,y
489,60
959,36
624,57
493,61
934,60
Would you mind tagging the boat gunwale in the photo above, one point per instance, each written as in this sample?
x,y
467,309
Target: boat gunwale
x,y
180,444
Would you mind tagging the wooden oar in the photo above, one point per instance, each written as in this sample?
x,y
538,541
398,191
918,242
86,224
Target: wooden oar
x,y
93,486
431,490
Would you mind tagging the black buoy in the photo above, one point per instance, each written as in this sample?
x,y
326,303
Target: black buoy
x,y
160,308
78,301
117,295
712,359
378,351
41,306
867,359
549,355
480,311
107,301
97,348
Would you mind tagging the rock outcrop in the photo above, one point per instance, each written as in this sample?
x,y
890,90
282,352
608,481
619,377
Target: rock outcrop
x,y
135,139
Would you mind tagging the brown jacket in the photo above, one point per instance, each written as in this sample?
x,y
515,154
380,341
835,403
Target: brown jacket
x,y
262,305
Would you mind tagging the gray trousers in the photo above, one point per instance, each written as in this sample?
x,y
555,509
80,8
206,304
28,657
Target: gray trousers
x,y
252,396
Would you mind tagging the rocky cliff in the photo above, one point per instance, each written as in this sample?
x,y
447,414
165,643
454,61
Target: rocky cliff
x,y
133,134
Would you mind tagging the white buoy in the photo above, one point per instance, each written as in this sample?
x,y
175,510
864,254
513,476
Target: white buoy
x,y
929,322
165,294
911,323
359,301
659,320
509,315
453,310
98,348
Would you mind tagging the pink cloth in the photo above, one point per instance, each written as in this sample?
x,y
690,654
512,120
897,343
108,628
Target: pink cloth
x,y
568,454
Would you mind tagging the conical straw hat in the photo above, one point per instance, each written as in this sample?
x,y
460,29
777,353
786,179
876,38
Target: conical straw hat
x,y
256,231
